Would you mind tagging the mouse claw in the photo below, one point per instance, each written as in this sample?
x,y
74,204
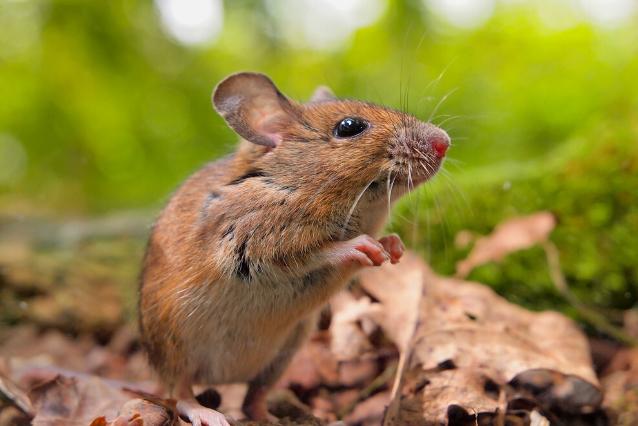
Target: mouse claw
x,y
392,244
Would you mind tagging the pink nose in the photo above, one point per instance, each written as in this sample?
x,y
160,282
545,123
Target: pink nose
x,y
440,144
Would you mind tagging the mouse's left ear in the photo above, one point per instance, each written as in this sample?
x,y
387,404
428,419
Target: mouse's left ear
x,y
323,94
253,106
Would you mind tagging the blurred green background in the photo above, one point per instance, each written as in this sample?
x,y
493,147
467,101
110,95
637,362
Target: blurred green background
x,y
106,107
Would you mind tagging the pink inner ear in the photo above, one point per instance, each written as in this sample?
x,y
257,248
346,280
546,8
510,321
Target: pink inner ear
x,y
269,124
275,137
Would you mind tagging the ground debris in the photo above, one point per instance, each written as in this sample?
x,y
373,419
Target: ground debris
x,y
402,346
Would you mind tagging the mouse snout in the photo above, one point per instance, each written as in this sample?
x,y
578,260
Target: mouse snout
x,y
418,139
418,149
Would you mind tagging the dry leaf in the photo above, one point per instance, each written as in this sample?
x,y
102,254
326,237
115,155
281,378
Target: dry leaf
x,y
73,401
398,289
141,412
348,340
621,386
469,323
458,390
370,411
358,372
313,365
513,235
473,348
12,393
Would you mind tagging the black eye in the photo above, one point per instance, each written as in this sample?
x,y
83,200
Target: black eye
x,y
350,126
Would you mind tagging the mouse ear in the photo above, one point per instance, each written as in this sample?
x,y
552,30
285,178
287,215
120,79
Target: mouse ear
x,y
253,106
322,94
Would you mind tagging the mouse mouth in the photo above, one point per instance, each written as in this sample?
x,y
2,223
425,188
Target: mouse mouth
x,y
413,178
412,170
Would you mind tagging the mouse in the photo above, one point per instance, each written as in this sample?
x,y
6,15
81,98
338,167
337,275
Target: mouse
x,y
252,246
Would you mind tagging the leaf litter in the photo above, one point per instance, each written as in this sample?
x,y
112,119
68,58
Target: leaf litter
x,y
402,346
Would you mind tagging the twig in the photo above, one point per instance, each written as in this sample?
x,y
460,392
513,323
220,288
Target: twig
x,y
393,408
594,318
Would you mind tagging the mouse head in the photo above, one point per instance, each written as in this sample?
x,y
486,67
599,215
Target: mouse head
x,y
334,147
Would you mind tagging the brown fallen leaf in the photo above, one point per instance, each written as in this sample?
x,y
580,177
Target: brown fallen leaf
x,y
358,372
348,339
71,401
515,234
313,365
398,290
457,391
620,381
322,406
369,411
14,395
25,349
557,391
142,412
11,416
400,311
284,403
474,353
27,346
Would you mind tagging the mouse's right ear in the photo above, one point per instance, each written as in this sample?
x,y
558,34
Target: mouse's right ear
x,y
323,94
253,106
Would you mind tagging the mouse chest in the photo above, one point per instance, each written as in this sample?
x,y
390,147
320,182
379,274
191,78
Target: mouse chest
x,y
372,219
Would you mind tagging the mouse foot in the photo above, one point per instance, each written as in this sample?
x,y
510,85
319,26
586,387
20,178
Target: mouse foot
x,y
199,415
394,246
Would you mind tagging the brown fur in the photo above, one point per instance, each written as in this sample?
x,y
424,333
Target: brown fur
x,y
234,263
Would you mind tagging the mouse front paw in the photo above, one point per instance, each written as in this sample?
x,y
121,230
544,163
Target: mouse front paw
x,y
364,251
394,246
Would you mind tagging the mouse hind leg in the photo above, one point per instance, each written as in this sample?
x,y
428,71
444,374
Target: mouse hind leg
x,y
254,406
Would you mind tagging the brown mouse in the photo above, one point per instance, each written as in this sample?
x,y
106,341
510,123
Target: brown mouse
x,y
251,246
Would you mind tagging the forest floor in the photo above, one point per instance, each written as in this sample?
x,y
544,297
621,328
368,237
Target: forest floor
x,y
402,345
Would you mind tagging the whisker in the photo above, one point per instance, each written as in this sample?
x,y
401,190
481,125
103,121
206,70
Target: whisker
x,y
450,118
391,188
456,191
425,168
354,206
389,191
438,105
415,220
442,218
428,224
436,81
410,183
433,83
454,161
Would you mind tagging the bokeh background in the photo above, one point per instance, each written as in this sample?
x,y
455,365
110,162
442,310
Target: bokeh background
x,y
105,109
